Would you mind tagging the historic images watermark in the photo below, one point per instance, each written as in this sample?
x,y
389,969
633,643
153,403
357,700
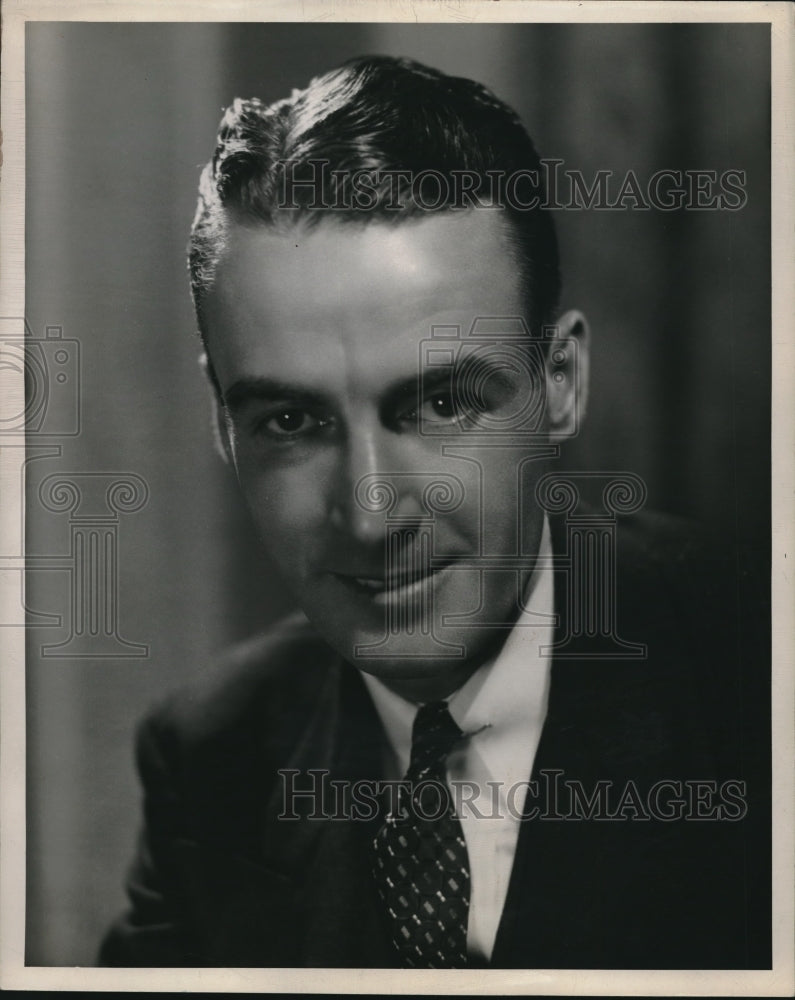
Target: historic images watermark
x,y
313,185
41,413
314,795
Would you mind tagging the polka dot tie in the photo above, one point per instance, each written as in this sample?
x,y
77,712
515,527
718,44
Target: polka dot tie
x,y
420,860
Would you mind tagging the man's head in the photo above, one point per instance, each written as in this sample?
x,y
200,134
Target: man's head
x,y
431,143
349,245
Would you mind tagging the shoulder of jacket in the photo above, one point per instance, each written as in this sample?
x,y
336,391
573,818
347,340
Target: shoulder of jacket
x,y
707,566
256,685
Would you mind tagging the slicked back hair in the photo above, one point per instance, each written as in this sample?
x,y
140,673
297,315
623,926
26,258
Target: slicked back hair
x,y
418,138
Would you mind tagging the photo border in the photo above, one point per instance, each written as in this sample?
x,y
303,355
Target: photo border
x,y
780,981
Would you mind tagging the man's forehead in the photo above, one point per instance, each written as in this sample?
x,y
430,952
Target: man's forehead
x,y
429,245
354,296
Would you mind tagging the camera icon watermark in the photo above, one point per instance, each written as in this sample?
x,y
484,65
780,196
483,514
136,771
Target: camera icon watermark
x,y
46,400
491,381
40,379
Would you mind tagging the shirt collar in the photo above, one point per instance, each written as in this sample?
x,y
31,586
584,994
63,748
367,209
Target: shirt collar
x,y
505,698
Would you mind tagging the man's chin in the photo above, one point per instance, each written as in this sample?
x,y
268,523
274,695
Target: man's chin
x,y
419,680
398,649
419,667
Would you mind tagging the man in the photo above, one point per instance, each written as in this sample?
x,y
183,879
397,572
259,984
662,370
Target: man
x,y
376,285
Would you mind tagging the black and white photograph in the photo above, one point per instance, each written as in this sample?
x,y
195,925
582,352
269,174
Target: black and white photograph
x,y
397,486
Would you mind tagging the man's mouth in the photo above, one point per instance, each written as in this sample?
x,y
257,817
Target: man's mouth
x,y
394,587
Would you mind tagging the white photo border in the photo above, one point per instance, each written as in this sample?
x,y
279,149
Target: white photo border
x,y
779,981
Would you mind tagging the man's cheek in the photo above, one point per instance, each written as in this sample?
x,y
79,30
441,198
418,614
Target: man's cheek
x,y
287,513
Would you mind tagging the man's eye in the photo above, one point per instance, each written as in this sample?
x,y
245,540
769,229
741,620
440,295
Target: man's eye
x,y
438,407
290,422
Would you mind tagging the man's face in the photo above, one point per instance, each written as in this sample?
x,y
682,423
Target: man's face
x,y
316,336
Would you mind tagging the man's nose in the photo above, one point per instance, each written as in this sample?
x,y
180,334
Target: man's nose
x,y
369,487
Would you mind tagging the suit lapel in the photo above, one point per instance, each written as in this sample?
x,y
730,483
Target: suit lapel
x,y
543,922
323,851
244,910
566,905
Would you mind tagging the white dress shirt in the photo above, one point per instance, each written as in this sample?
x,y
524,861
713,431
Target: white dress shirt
x,y
503,704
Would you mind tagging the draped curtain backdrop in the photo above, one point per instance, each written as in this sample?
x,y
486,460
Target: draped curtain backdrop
x,y
120,118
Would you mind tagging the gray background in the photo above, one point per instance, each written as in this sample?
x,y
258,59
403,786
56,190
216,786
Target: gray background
x,y
119,120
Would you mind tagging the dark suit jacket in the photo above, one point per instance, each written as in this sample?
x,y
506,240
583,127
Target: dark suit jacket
x,y
220,880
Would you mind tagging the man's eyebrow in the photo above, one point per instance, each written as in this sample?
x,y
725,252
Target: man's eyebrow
x,y
409,388
472,371
265,389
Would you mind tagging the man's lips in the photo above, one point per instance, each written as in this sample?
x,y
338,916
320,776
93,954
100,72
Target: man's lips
x,y
395,584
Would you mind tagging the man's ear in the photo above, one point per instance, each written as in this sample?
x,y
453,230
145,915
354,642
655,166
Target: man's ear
x,y
220,428
567,375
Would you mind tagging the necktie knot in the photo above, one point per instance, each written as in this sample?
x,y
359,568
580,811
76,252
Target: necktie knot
x,y
433,736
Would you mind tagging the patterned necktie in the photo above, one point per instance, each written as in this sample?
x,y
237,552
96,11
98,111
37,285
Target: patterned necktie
x,y
420,862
